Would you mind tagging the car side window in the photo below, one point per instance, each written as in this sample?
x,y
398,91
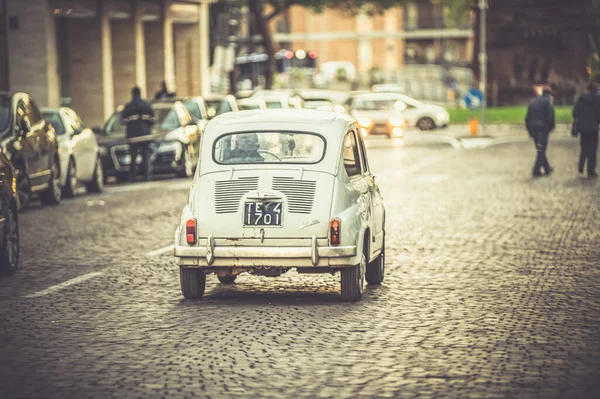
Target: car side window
x,y
363,153
22,117
35,116
351,156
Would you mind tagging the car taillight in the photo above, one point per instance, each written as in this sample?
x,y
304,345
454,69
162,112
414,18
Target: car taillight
x,y
190,231
335,231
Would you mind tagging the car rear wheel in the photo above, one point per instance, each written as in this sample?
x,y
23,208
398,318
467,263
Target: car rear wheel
x,y
376,269
353,281
227,279
193,282
51,195
97,183
23,189
70,188
186,163
425,124
9,256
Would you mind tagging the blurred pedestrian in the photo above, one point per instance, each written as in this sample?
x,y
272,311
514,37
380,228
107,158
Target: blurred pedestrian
x,y
586,124
163,92
139,117
540,122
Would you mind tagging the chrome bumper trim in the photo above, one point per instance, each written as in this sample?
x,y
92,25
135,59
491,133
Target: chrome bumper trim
x,y
313,252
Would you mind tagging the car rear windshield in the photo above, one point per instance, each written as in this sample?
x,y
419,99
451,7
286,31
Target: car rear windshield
x,y
269,147
4,112
55,121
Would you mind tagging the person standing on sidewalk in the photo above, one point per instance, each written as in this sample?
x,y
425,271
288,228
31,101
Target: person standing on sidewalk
x,y
139,118
586,118
540,121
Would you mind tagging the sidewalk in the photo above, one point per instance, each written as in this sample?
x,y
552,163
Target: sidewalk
x,y
497,131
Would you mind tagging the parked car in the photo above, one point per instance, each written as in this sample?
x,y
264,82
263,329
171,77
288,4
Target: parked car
x,y
29,142
322,97
390,88
79,158
417,114
9,218
296,102
273,98
248,104
322,105
198,110
378,113
218,104
175,142
282,189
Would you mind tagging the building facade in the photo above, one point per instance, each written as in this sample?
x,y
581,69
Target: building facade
x,y
420,33
89,53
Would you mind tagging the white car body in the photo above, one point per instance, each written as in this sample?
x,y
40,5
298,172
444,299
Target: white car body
x,y
77,144
310,195
417,114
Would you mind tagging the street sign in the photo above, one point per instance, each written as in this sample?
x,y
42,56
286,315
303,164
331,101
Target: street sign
x,y
474,99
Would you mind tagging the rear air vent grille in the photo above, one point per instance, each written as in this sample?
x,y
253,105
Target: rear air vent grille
x,y
300,193
229,193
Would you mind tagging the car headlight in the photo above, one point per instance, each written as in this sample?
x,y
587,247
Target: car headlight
x,y
102,151
364,121
396,121
169,146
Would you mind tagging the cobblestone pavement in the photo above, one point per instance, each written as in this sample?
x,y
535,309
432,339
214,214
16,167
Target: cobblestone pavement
x,y
492,290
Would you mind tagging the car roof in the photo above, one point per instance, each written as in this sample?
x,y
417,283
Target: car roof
x,y
378,96
288,119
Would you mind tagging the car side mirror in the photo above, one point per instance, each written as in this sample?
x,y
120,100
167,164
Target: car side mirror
x,y
77,131
97,130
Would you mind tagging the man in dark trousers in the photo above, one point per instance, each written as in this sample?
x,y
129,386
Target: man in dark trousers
x,y
540,122
586,118
139,117
163,92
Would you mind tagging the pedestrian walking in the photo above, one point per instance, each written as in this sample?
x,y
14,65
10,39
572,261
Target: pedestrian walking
x,y
586,124
540,122
139,117
163,92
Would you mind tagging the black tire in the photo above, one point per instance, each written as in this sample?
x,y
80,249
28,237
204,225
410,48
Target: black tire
x,y
70,188
9,255
353,281
186,162
376,269
123,177
23,189
97,183
227,279
193,282
51,195
426,123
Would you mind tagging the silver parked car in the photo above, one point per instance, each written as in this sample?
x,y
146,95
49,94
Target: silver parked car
x,y
78,151
282,189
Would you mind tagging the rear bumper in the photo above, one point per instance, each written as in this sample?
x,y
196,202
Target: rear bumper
x,y
227,256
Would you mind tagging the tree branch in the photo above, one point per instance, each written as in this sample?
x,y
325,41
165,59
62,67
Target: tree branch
x,y
279,10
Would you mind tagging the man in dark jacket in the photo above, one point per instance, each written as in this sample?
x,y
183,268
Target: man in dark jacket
x,y
586,118
163,92
540,122
139,117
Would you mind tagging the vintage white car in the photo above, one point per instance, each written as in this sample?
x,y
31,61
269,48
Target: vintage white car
x,y
282,189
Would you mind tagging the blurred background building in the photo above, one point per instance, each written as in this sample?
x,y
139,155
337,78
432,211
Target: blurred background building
x,y
90,53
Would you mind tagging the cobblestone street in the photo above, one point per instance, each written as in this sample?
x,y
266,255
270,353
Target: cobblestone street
x,y
492,290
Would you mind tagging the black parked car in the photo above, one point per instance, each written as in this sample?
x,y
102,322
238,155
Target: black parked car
x,y
9,218
29,142
175,142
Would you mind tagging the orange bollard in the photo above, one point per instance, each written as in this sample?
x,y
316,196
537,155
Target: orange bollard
x,y
474,126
